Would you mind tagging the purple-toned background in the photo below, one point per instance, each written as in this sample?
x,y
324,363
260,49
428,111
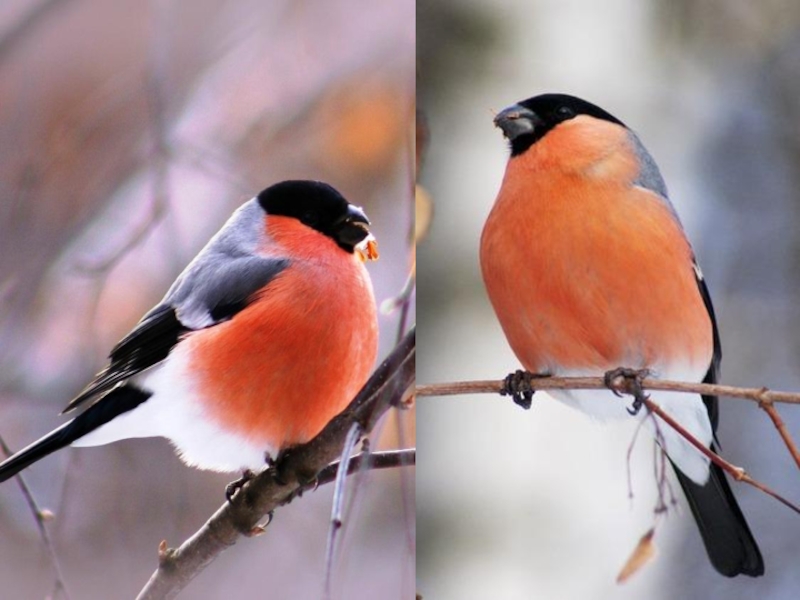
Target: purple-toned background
x,y
129,132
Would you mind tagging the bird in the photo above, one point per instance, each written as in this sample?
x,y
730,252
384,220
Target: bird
x,y
588,269
266,335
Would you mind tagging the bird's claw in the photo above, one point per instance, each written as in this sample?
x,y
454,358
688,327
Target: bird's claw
x,y
235,486
632,384
518,386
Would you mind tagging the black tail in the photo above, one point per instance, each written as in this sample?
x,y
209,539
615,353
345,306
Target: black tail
x,y
729,543
117,401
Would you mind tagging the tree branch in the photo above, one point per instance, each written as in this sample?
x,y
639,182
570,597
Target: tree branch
x,y
41,516
387,459
337,509
770,409
764,397
738,473
295,469
760,395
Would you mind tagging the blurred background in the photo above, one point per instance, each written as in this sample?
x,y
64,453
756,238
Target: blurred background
x,y
520,505
130,132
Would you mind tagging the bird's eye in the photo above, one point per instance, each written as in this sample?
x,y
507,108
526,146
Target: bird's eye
x,y
565,112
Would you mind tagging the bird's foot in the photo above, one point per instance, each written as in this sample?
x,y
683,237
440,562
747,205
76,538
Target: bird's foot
x,y
273,467
235,486
260,529
518,386
631,384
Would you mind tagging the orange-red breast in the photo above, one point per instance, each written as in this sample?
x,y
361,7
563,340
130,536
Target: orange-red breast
x,y
267,334
588,269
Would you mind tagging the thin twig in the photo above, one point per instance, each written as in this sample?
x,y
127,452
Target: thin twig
x,y
660,466
337,507
629,457
403,299
386,459
406,484
403,302
759,395
765,397
597,383
41,516
769,408
738,473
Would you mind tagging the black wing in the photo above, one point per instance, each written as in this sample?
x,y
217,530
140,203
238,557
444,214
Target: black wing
x,y
147,344
712,376
212,289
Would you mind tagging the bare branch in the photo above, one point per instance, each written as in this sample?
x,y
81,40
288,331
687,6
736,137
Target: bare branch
x,y
295,469
770,409
337,507
763,396
387,459
403,299
738,473
41,516
759,395
403,302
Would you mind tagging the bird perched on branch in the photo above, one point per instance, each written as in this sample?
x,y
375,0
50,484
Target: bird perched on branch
x,y
267,334
588,269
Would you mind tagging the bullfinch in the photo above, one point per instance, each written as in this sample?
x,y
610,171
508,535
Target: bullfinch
x,y
268,333
588,269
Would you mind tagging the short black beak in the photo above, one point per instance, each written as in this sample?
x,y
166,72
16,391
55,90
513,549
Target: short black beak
x,y
355,214
351,228
517,120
